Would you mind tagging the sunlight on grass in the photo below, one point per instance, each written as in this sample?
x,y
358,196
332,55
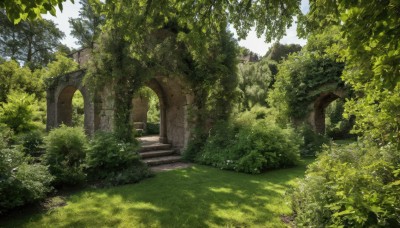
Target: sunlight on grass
x,y
199,196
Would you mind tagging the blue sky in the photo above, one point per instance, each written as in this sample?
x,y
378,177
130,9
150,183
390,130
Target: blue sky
x,y
252,42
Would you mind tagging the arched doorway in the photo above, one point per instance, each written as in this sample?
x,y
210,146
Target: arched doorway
x,y
69,112
319,110
146,113
172,108
60,108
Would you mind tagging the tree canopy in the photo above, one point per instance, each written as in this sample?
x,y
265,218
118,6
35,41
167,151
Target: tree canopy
x,y
28,9
371,30
86,28
31,42
279,52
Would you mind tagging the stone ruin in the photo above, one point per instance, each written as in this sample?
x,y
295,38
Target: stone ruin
x,y
175,101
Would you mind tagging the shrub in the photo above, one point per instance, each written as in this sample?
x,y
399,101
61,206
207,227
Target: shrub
x,y
6,135
65,155
250,145
195,145
20,181
152,128
352,185
20,112
114,162
312,142
32,142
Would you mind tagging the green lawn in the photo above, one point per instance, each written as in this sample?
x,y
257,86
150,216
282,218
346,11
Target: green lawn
x,y
199,196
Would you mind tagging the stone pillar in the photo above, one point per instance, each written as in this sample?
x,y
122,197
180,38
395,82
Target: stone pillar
x,y
51,110
163,123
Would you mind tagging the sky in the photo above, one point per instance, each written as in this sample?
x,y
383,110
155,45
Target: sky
x,y
252,42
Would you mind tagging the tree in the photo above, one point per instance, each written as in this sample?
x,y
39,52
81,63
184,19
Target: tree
x,y
279,52
276,54
14,77
60,66
86,28
27,9
31,42
371,30
254,81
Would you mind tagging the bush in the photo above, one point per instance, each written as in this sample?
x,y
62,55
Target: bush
x,y
20,112
65,155
312,142
350,186
6,135
250,144
20,181
114,162
32,142
152,128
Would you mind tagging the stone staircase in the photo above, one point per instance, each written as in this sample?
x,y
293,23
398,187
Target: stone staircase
x,y
156,154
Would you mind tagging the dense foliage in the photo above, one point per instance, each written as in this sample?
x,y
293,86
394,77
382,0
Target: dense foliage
x,y
32,143
26,9
300,80
372,53
21,180
354,185
312,142
307,74
370,30
20,113
113,162
250,143
359,182
254,82
65,155
14,77
279,52
338,127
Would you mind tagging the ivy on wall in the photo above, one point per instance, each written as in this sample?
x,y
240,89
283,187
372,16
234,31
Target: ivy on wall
x,y
211,76
307,74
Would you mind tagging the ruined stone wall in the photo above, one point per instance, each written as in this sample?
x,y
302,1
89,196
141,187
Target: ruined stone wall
x,y
59,101
316,116
99,106
105,108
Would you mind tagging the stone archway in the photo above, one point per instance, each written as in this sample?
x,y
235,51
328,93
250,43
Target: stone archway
x,y
59,101
175,101
174,96
316,117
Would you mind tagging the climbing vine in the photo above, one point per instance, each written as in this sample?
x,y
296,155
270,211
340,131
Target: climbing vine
x,y
305,75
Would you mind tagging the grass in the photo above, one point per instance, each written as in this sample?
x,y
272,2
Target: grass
x,y
199,196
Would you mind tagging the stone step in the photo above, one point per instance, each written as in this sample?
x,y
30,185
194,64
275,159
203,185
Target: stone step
x,y
154,147
162,160
157,153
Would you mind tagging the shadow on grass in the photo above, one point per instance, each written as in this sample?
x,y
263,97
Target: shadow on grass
x,y
199,196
